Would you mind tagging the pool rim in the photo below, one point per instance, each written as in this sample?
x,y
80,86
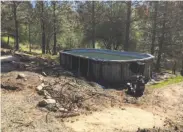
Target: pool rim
x,y
104,60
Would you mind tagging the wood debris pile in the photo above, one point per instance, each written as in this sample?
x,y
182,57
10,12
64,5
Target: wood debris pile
x,y
73,98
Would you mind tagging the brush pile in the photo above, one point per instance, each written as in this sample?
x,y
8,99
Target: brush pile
x,y
72,97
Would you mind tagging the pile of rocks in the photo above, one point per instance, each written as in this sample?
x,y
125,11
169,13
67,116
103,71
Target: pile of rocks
x,y
56,98
48,100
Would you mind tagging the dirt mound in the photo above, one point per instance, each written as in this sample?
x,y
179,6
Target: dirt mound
x,y
166,102
169,100
14,81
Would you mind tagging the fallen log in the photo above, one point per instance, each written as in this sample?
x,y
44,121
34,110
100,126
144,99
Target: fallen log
x,y
66,115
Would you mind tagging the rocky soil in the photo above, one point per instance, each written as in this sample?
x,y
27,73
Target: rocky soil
x,y
39,95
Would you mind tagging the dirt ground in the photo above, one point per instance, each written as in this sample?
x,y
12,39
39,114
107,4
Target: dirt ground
x,y
116,119
162,109
156,109
167,102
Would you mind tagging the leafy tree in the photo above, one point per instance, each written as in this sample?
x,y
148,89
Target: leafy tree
x,y
154,25
142,26
162,37
54,28
128,21
14,9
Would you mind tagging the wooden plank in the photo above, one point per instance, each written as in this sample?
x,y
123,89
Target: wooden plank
x,y
106,71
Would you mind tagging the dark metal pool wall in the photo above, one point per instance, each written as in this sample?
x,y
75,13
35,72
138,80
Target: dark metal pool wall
x,y
105,71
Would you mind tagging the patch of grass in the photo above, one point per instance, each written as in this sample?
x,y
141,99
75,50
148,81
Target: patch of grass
x,y
26,48
51,57
23,47
38,53
177,79
166,70
5,39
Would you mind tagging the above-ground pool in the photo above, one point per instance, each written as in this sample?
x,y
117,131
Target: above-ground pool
x,y
105,65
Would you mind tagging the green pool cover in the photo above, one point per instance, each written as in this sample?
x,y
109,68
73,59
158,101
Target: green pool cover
x,y
106,56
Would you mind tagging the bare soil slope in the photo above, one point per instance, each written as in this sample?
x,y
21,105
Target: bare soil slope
x,y
167,102
115,120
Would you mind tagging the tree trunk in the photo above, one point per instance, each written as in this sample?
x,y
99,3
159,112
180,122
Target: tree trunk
x,y
47,47
161,40
8,41
43,27
16,25
54,37
128,20
93,24
154,27
30,46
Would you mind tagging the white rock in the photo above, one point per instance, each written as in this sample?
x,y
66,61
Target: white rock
x,y
50,101
58,105
21,75
75,109
46,93
40,87
48,97
46,102
63,110
44,74
41,78
26,65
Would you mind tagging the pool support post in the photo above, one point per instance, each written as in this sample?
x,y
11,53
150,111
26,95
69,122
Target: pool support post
x,y
71,62
88,68
100,71
79,67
